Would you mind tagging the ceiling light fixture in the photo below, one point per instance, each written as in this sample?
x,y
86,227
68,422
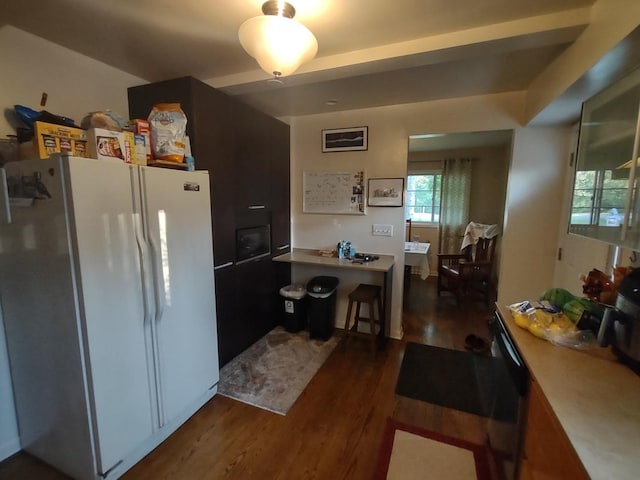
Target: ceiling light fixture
x,y
278,43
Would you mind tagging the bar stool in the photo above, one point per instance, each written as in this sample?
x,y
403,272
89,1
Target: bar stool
x,y
368,294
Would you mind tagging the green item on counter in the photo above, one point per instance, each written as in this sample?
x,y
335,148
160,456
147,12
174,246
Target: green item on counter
x,y
558,297
574,309
592,307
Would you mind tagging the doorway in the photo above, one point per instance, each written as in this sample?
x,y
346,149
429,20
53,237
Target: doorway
x,y
490,156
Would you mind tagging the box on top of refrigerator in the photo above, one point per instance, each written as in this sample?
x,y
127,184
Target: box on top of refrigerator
x,y
50,138
142,132
105,144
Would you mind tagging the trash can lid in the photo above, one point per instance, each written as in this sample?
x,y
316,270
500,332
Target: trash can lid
x,y
293,291
322,284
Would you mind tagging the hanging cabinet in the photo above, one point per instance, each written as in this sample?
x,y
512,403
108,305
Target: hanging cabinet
x,y
606,201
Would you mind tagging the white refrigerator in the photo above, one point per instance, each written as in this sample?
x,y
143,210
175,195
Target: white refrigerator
x,y
107,291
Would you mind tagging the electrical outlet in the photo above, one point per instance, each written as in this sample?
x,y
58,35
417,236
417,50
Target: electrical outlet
x,y
382,230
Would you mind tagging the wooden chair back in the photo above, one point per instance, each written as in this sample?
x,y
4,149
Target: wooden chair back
x,y
485,248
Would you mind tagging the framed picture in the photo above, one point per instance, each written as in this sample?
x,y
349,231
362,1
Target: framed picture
x,y
345,139
385,192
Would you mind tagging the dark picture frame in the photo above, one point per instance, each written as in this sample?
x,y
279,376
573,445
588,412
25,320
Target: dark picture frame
x,y
345,139
385,192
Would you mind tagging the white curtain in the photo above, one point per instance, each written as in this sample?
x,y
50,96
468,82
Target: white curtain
x,y
454,212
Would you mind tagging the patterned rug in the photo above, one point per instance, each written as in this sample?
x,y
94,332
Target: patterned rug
x,y
273,372
412,453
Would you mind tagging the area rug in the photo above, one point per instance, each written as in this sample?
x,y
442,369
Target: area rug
x,y
274,371
409,453
455,379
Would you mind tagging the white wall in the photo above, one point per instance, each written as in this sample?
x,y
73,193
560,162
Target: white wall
x,y
533,191
75,86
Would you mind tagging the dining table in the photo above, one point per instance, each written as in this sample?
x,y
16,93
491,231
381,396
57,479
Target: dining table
x,y
416,256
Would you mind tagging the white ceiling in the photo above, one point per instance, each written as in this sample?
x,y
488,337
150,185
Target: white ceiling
x,y
371,52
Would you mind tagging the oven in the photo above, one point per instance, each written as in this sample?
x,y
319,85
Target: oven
x,y
509,402
253,243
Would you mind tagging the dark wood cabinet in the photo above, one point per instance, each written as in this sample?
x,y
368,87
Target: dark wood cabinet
x,y
548,453
212,144
247,155
252,152
280,188
231,325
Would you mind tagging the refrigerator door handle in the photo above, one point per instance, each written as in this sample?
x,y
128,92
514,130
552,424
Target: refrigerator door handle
x,y
158,279
143,249
5,206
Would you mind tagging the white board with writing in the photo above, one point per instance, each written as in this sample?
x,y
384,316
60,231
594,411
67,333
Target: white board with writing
x,y
334,192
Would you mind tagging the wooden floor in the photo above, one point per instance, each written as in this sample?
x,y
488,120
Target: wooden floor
x,y
334,429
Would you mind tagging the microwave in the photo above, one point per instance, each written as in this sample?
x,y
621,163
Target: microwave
x,y
253,242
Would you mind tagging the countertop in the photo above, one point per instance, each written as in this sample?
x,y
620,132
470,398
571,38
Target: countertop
x,y
311,257
596,400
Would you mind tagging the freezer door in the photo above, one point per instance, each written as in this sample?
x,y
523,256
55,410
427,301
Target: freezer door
x,y
108,272
178,218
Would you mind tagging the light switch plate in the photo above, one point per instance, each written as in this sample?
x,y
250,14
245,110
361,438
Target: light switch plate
x,y
382,230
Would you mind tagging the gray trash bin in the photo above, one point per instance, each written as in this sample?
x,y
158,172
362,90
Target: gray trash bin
x,y
322,306
294,308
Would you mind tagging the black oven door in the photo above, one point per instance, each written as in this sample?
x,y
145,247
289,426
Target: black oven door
x,y
508,412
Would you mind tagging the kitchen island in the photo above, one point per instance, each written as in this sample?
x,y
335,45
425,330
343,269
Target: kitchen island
x,y
383,264
594,397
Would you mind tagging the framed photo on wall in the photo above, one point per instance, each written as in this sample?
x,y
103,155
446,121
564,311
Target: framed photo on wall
x,y
385,192
345,139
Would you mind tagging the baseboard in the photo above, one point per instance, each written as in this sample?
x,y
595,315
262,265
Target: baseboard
x,y
397,334
10,447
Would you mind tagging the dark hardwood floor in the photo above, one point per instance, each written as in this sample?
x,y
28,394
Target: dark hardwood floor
x,y
334,429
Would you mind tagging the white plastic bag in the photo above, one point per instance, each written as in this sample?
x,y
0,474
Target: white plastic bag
x,y
168,131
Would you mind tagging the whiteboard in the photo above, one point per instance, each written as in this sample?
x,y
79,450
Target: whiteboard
x,y
334,192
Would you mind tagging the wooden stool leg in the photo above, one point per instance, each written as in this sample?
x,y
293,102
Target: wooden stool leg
x,y
348,321
357,319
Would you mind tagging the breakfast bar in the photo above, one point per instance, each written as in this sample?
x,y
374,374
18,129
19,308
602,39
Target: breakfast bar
x,y
383,264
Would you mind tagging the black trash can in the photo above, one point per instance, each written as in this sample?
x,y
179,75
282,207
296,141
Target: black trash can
x,y
294,308
321,293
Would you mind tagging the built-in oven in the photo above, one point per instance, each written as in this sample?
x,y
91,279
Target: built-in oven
x,y
253,242
509,402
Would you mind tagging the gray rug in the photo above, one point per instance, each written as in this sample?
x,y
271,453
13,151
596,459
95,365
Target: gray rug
x,y
273,372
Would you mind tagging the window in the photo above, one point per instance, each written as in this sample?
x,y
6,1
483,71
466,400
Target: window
x,y
423,197
598,199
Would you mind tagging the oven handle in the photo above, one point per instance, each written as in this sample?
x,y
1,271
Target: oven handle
x,y
513,356
513,361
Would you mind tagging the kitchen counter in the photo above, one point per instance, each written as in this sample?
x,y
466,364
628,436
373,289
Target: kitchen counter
x,y
311,257
595,398
383,264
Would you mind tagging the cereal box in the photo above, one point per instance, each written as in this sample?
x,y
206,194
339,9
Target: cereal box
x,y
105,144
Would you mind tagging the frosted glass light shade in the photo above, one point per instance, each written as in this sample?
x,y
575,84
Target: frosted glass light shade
x,y
279,44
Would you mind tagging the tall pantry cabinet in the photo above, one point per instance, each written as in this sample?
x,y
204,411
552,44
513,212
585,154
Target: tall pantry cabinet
x,y
247,155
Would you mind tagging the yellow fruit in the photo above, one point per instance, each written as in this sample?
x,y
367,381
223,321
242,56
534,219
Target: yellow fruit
x,y
545,318
564,323
521,320
555,328
538,330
